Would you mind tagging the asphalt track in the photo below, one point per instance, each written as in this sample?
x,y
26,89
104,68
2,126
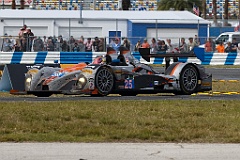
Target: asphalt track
x,y
118,151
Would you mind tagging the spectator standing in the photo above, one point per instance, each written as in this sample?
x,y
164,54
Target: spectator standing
x,y
29,36
137,46
191,44
44,43
7,46
75,47
50,45
101,45
183,46
170,50
88,45
220,47
38,45
126,43
229,47
116,44
208,46
95,44
153,46
81,46
65,46
234,45
58,43
196,40
17,46
162,48
145,44
71,42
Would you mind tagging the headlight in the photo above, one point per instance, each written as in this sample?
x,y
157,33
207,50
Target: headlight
x,y
28,80
28,83
82,80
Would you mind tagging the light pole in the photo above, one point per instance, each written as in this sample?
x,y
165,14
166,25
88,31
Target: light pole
x,y
80,9
3,4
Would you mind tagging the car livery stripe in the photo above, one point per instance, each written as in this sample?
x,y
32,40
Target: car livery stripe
x,y
174,69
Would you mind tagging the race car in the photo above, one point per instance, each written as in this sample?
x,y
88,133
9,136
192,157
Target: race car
x,y
121,73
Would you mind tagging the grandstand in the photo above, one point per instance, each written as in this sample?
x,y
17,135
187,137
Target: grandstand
x,y
149,5
136,5
232,7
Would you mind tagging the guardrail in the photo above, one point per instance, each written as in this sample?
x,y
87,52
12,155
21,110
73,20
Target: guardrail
x,y
204,58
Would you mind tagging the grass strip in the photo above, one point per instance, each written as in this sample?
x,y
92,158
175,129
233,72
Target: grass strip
x,y
215,121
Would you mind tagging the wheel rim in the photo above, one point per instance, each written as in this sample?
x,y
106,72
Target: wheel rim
x,y
104,81
190,79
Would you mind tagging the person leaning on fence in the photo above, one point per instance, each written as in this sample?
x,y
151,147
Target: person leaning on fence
x,y
220,47
88,45
183,46
7,46
17,46
208,46
228,48
191,44
101,44
170,50
65,46
75,47
137,46
145,44
81,46
153,45
234,45
126,43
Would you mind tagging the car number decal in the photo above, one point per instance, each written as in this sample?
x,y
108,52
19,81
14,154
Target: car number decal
x,y
129,84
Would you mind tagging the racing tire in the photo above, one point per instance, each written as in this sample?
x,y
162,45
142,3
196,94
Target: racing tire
x,y
104,81
42,94
189,78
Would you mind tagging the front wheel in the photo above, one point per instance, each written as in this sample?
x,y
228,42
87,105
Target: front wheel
x,y
104,81
189,77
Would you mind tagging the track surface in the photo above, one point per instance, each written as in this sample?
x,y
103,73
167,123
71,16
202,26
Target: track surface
x,y
118,151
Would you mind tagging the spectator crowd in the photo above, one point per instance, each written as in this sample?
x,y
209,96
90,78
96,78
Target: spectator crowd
x,y
26,41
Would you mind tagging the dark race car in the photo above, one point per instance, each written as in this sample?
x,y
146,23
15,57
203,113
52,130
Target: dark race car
x,y
121,73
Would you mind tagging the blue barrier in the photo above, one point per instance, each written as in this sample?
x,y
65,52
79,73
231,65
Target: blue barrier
x,y
202,57
75,57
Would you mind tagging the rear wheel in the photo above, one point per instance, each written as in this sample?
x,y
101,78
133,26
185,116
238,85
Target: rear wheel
x,y
104,81
189,79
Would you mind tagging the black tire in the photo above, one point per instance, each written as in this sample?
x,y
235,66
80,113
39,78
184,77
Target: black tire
x,y
42,94
128,94
104,81
189,77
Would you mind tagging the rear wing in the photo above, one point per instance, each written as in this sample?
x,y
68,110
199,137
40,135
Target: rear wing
x,y
146,54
